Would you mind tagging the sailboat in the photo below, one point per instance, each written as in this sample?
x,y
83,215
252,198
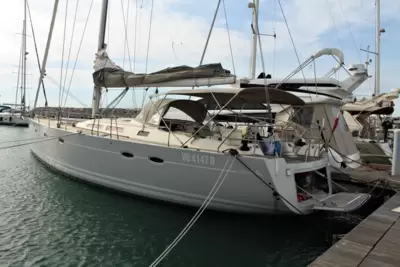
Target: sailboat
x,y
182,160
14,114
366,116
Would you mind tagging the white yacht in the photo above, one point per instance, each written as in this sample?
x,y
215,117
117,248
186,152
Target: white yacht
x,y
12,117
184,160
179,160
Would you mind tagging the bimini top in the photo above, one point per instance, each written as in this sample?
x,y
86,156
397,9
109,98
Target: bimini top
x,y
229,98
153,111
239,98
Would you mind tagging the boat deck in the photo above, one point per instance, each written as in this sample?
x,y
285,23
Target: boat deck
x,y
67,125
374,242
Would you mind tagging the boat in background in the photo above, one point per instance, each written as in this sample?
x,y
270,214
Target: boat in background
x,y
366,119
12,116
16,116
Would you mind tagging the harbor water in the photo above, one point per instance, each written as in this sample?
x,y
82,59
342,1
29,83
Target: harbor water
x,y
50,220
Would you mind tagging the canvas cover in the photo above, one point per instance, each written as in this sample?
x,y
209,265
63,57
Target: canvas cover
x,y
108,74
306,122
154,111
241,98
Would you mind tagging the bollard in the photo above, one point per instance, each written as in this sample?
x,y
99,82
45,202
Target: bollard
x,y
396,152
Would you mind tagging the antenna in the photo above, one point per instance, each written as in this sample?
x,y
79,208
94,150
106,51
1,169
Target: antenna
x,y
368,51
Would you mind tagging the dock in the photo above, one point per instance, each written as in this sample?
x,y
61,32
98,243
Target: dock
x,y
374,242
379,175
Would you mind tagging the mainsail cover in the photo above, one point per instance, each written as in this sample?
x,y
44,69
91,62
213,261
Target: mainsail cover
x,y
108,74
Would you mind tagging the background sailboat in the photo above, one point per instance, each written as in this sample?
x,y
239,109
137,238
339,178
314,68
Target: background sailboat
x,y
14,115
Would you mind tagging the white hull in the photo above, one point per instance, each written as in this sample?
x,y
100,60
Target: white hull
x,y
13,120
185,177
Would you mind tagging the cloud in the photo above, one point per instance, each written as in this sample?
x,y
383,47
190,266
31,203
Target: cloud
x,y
178,34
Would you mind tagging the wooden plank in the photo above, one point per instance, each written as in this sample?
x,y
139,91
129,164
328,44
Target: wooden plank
x,y
343,253
370,231
374,242
386,252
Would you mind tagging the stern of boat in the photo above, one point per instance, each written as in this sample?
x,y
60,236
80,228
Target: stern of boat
x,y
305,186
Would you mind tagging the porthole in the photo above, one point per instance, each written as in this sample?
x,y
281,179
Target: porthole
x,y
127,154
156,159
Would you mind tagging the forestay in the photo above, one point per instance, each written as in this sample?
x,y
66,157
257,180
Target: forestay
x,y
108,74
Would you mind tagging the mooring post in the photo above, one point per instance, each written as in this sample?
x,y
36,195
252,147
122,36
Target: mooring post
x,y
396,152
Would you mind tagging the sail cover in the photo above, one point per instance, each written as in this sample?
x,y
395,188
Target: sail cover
x,y
108,74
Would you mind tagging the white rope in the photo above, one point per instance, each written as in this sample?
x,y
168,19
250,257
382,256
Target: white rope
x,y
202,208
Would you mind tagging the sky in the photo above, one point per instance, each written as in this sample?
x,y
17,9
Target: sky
x,y
179,30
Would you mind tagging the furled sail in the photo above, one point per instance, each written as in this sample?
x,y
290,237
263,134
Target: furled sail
x,y
108,74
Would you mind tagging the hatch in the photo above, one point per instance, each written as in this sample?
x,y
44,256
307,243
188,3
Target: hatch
x,y
342,202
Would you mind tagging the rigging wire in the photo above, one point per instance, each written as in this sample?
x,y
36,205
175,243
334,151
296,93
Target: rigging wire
x,y
229,37
19,72
148,41
210,31
274,54
78,52
334,24
351,32
135,37
70,46
62,54
134,101
126,44
68,93
294,46
148,46
37,53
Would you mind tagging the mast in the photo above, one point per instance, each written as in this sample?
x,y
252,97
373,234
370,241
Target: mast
x,y
19,77
46,52
24,62
378,48
101,45
254,25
